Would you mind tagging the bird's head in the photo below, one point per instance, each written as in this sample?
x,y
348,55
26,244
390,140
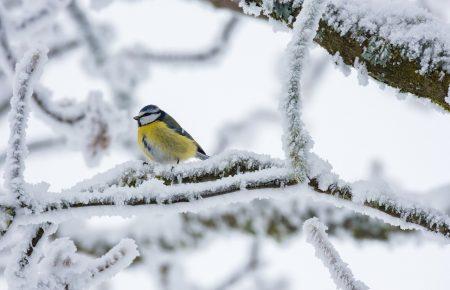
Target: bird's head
x,y
147,115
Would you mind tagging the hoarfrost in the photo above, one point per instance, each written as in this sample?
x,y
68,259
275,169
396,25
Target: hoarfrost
x,y
339,64
363,78
421,35
296,141
250,8
447,98
340,272
28,70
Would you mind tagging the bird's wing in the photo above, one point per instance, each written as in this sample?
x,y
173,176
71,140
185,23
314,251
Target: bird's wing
x,y
172,124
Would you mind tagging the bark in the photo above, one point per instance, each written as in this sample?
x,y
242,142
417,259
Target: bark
x,y
397,71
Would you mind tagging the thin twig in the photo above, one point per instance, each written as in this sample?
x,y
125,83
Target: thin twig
x,y
181,57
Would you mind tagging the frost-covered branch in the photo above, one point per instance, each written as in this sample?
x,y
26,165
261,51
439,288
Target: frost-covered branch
x,y
103,268
400,45
89,119
40,97
26,254
33,267
277,220
340,272
296,141
56,265
247,176
216,49
27,72
60,114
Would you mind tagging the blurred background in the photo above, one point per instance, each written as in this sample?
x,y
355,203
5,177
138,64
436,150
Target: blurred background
x,y
228,99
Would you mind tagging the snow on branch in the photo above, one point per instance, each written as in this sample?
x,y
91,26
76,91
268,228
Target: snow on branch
x,y
274,219
33,267
88,119
296,141
400,44
103,268
339,270
25,255
41,98
28,70
227,178
57,265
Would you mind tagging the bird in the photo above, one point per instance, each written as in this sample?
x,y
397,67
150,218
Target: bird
x,y
163,140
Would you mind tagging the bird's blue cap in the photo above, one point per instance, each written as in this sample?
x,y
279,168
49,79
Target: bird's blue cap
x,y
147,110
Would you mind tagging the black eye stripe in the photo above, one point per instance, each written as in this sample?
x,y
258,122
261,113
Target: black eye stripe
x,y
148,114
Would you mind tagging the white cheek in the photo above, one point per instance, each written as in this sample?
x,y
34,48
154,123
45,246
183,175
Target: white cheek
x,y
148,119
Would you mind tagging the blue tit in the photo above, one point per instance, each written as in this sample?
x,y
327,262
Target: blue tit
x,y
162,139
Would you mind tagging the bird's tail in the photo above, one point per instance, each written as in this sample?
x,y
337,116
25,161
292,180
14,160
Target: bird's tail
x,y
201,156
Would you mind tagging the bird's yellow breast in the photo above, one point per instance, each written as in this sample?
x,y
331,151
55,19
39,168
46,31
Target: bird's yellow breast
x,y
165,144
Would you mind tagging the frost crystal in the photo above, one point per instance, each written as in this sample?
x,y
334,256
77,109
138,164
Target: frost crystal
x,y
447,98
420,35
250,9
363,78
340,64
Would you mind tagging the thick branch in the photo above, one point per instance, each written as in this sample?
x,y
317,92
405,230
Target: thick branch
x,y
421,68
233,173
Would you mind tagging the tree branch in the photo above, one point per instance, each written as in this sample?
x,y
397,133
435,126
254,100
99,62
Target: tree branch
x,y
182,57
27,71
420,67
136,185
8,61
339,270
296,140
21,266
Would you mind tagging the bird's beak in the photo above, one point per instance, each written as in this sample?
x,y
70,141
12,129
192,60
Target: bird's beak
x,y
136,118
